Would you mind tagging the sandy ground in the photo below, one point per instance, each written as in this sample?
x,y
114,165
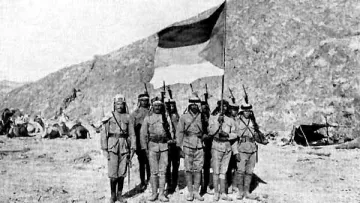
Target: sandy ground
x,y
65,170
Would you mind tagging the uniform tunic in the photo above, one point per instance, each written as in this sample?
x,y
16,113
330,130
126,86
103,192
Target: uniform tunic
x,y
117,143
246,145
221,147
153,138
189,135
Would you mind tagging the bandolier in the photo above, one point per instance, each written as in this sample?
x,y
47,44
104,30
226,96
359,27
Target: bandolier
x,y
245,150
154,136
116,145
189,137
223,129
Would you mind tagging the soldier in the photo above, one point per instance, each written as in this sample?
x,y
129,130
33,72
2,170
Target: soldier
x,y
223,129
205,115
189,138
233,113
154,136
115,143
137,118
174,156
245,150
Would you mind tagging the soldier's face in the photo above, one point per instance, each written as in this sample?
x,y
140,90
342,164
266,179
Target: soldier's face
x,y
234,112
157,108
194,108
172,107
120,107
144,103
204,108
247,114
225,107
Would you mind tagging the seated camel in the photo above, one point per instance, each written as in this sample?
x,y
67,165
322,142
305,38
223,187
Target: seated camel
x,y
18,130
78,131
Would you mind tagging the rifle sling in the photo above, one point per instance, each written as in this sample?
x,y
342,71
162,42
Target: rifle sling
x,y
122,131
192,121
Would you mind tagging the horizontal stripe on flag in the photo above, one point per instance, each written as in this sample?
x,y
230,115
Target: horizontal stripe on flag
x,y
189,34
180,55
183,73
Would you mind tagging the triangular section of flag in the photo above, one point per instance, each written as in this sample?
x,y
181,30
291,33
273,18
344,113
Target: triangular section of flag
x,y
188,52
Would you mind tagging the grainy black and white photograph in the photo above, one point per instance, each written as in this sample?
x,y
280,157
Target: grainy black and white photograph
x,y
135,101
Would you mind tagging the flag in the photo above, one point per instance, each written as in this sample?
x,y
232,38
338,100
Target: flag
x,y
188,52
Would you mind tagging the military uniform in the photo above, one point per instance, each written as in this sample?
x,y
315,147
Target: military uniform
x,y
205,115
246,151
154,139
115,140
137,118
174,158
221,151
189,137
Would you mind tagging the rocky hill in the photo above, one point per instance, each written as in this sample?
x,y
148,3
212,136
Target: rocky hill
x,y
6,86
298,59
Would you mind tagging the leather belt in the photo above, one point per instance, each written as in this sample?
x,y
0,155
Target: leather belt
x,y
221,139
247,139
118,135
158,139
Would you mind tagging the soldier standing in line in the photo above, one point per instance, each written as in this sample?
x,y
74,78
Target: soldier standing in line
x,y
245,150
223,129
189,138
174,156
154,136
137,118
205,115
115,143
231,183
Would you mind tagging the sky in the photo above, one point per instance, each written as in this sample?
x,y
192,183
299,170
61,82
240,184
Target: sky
x,y
38,37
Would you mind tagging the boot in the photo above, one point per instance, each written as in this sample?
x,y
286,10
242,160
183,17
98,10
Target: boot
x,y
216,187
154,187
197,180
247,182
223,190
142,167
189,184
162,181
113,183
240,182
120,184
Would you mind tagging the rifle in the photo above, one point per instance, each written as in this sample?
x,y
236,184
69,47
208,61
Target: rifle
x,y
206,94
170,92
146,90
163,91
246,98
165,121
232,96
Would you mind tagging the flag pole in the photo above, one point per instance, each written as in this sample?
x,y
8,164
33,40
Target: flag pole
x,y
223,77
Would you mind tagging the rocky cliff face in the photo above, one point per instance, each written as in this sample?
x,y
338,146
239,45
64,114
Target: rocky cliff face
x,y
298,59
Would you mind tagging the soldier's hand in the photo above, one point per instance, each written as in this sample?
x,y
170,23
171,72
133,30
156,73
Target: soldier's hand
x,y
266,141
181,153
238,158
221,119
128,160
132,152
106,154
